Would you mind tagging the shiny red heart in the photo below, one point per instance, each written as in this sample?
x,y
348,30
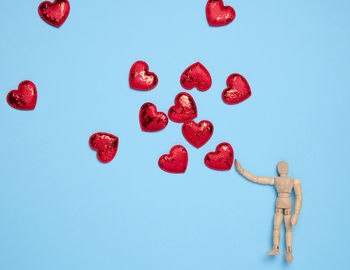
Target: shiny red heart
x,y
24,98
150,119
54,13
197,134
140,78
196,76
238,89
176,161
106,146
185,108
221,159
218,14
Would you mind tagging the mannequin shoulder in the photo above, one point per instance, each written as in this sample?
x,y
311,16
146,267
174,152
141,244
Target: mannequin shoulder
x,y
297,182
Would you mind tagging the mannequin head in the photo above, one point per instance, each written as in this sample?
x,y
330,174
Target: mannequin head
x,y
282,168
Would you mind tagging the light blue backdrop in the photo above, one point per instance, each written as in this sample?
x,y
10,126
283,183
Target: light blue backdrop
x,y
62,209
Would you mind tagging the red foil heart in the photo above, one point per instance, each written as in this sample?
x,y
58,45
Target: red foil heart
x,y
218,14
238,89
140,78
54,13
196,76
150,119
176,161
24,98
222,159
197,134
106,146
185,108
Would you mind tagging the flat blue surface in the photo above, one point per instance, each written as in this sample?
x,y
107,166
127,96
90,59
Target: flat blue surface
x,y
62,209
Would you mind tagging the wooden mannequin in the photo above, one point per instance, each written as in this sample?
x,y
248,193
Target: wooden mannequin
x,y
284,186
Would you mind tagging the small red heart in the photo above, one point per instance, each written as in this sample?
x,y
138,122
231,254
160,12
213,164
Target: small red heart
x,y
106,146
150,119
196,76
222,159
218,14
238,89
185,108
24,98
197,134
140,78
54,13
176,161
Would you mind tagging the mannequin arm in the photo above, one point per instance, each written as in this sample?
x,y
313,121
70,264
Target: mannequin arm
x,y
256,179
298,201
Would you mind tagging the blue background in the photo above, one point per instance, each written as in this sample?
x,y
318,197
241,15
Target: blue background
x,y
62,209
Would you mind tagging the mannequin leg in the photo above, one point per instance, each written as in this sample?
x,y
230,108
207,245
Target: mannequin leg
x,y
289,235
276,232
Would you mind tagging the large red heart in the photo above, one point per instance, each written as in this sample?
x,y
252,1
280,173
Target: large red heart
x,y
196,76
237,89
140,78
150,119
54,13
106,146
218,14
176,161
24,98
197,134
185,108
221,159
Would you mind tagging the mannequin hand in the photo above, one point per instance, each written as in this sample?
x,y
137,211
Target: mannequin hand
x,y
238,167
294,219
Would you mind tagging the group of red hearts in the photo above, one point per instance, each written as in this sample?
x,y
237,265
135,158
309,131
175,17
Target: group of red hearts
x,y
140,78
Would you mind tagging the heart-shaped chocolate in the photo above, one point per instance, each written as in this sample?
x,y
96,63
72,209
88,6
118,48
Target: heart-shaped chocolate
x,y
237,89
150,119
54,13
197,134
106,146
218,14
196,76
140,78
176,161
184,109
221,159
24,98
